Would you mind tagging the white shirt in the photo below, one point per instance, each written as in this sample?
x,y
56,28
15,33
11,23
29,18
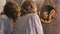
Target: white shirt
x,y
29,24
5,27
1,26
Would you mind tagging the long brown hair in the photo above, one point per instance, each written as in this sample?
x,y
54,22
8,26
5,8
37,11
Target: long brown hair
x,y
11,9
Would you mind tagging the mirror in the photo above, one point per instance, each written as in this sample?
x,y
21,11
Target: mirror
x,y
48,14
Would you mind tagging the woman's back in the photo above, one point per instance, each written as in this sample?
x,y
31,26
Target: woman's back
x,y
5,22
29,24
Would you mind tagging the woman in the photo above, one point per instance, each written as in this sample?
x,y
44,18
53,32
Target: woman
x,y
11,10
29,22
45,14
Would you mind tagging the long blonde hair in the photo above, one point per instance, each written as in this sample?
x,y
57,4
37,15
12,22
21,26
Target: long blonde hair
x,y
28,7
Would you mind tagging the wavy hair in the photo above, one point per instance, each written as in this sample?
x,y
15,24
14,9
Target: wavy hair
x,y
27,7
11,9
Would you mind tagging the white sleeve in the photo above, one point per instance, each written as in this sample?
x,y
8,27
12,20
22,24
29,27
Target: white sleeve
x,y
1,26
38,25
5,24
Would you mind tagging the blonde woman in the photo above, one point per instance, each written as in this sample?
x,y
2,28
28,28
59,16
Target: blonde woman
x,y
29,22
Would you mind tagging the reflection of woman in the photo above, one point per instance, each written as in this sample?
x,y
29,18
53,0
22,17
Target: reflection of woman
x,y
29,23
45,17
46,13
